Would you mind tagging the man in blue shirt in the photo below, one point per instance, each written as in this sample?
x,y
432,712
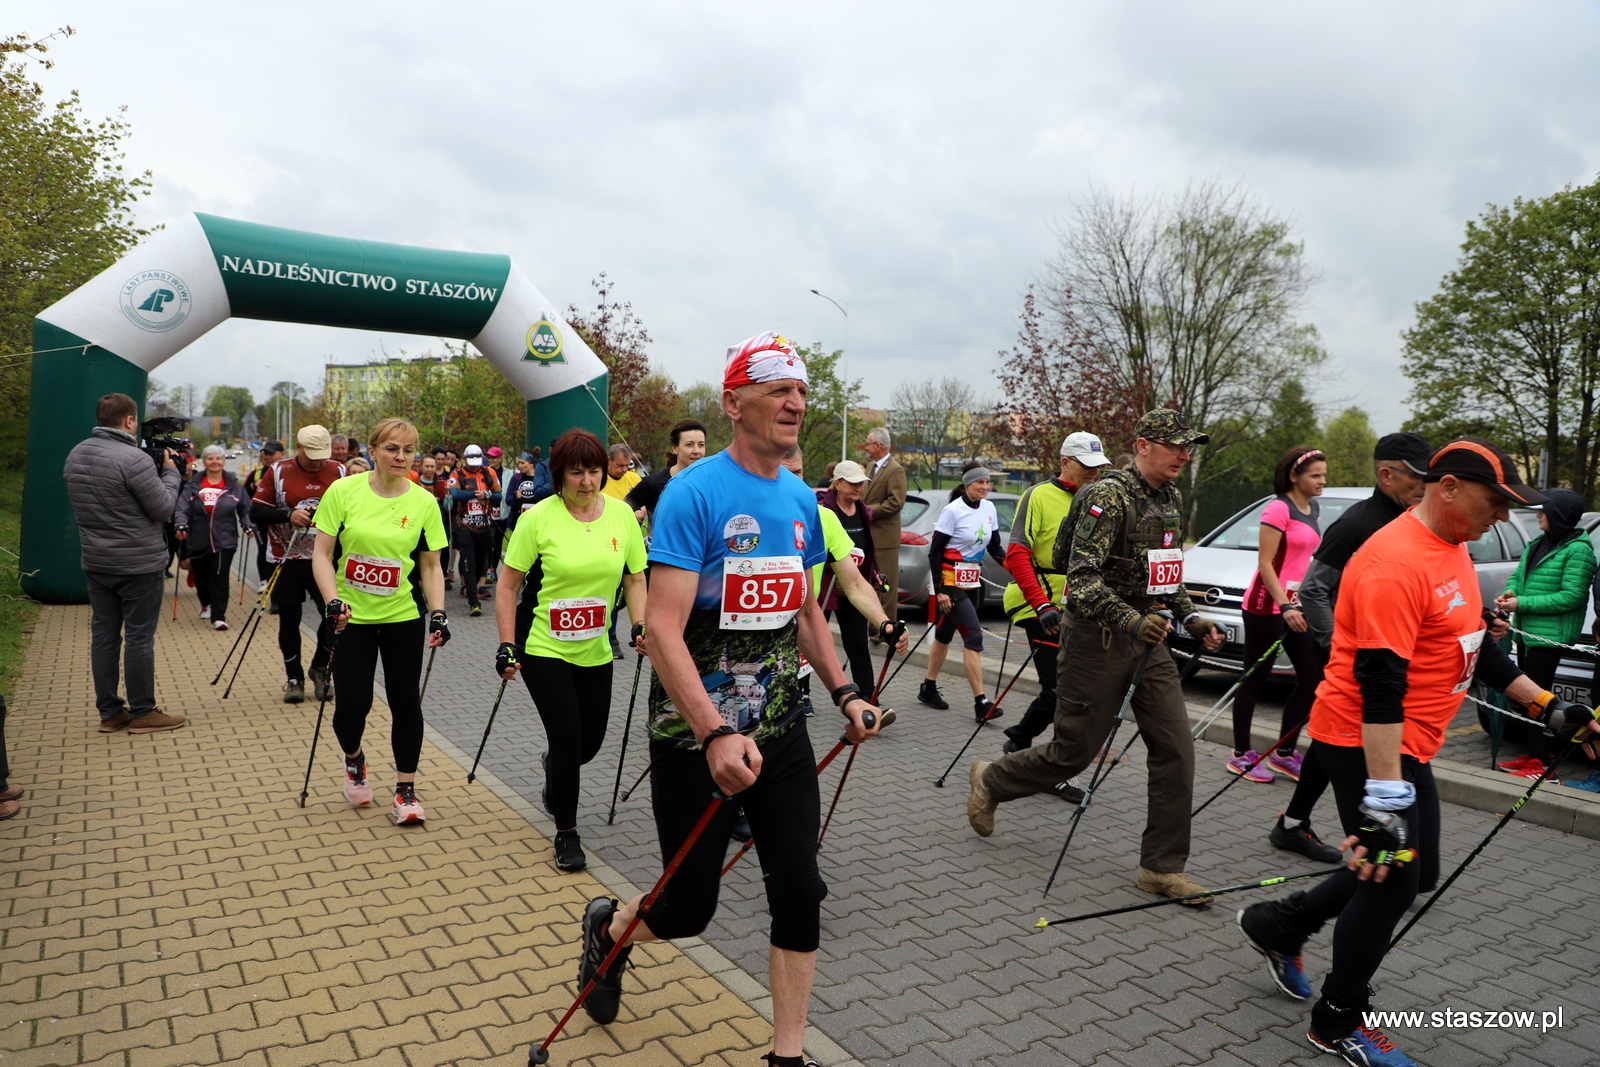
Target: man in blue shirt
x,y
730,614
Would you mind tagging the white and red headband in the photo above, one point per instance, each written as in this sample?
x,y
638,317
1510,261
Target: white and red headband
x,y
766,357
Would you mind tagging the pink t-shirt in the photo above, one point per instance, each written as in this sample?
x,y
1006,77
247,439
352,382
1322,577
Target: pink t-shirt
x,y
1300,538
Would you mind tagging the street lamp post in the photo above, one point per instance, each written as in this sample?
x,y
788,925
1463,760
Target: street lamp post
x,y
844,422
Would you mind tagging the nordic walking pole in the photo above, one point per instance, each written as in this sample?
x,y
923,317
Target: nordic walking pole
x,y
638,668
1274,747
472,774
257,613
322,705
637,781
1100,770
1572,746
1005,647
540,1053
176,572
1215,710
432,652
848,763
1263,884
249,536
240,661
1022,667
888,717
907,657
262,599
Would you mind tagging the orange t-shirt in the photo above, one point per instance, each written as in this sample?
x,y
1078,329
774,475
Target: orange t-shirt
x,y
1410,591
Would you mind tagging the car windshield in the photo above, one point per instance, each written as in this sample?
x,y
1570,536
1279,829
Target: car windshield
x,y
1007,510
1244,532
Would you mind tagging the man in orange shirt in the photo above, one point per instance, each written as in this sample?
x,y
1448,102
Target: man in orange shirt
x,y
1408,640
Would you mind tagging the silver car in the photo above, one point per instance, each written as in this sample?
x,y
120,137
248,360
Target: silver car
x,y
1218,569
917,520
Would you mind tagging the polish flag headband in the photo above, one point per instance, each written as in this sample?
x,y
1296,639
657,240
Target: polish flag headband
x,y
766,357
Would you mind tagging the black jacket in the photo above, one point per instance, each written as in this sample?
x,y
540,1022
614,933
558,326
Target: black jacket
x,y
1320,587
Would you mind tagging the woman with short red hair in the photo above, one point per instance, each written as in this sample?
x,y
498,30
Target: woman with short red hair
x,y
577,545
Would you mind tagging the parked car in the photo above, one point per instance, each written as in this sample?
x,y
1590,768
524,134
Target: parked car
x,y
1218,568
917,520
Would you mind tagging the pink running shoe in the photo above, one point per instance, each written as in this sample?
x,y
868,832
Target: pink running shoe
x,y
1288,766
1258,773
356,789
407,810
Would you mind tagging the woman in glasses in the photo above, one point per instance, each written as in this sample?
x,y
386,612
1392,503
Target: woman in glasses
x,y
1289,534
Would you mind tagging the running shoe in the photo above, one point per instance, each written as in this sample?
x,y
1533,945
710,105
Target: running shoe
x,y
1302,839
407,809
1590,784
1288,971
294,691
356,789
321,683
569,851
606,996
219,624
929,695
1068,791
476,611
1288,766
984,709
1366,1047
1521,763
1535,771
205,612
1256,773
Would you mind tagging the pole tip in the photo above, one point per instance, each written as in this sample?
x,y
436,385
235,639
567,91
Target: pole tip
x,y
1041,924
538,1056
471,778
938,783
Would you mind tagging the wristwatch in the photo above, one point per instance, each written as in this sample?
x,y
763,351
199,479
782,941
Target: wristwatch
x,y
721,731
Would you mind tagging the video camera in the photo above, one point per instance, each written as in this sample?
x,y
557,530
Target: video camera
x,y
159,434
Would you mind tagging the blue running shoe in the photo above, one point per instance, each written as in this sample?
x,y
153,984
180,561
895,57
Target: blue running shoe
x,y
1590,784
1366,1047
1288,971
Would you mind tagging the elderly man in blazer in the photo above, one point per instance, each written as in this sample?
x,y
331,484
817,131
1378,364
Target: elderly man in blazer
x,y
885,495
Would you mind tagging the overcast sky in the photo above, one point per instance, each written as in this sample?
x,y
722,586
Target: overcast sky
x,y
720,160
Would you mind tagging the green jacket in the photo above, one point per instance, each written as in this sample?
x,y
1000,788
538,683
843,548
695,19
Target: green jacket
x,y
1552,599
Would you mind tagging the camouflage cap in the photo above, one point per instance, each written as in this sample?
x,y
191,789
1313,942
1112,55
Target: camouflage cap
x,y
1164,424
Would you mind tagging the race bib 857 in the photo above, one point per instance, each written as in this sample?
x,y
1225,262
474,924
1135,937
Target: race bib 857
x,y
761,592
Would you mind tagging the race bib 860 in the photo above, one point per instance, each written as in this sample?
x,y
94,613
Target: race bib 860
x,y
372,574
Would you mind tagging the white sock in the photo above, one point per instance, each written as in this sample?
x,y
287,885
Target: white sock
x,y
1290,824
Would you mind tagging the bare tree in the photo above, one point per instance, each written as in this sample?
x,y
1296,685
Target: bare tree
x,y
932,419
1195,300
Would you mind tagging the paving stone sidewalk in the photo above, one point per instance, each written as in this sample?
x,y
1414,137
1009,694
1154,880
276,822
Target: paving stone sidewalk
x,y
929,955
163,899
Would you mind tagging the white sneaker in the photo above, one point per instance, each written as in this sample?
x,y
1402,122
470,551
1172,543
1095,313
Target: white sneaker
x,y
407,809
205,613
356,789
220,624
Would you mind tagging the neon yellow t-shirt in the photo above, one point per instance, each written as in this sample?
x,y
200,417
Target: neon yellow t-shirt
x,y
618,487
380,540
573,571
835,540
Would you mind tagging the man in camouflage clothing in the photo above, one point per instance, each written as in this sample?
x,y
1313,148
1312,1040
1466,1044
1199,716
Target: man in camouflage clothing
x,y
1121,547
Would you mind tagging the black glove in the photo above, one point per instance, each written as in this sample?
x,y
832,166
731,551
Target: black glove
x,y
1151,629
440,625
335,609
1050,619
1563,719
506,658
891,631
1383,833
634,634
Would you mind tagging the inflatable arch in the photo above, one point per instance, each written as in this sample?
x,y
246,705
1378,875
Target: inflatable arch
x,y
110,333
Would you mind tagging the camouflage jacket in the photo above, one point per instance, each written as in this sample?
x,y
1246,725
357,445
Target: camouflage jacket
x,y
1103,553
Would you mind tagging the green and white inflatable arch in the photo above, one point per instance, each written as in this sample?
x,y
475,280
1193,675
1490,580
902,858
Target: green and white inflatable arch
x,y
109,334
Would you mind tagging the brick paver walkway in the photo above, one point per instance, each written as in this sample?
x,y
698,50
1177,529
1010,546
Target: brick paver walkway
x,y
163,900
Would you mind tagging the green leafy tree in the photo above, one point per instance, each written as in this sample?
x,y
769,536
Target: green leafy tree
x,y
1509,347
460,400
640,402
68,213
1290,420
1348,440
701,402
230,400
829,396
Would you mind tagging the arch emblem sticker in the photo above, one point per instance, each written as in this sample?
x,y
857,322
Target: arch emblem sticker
x,y
544,344
155,300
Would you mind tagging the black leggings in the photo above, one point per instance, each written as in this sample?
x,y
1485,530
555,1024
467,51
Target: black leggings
x,y
962,616
785,814
355,664
853,633
1367,912
1042,712
210,570
473,548
294,584
1260,631
574,703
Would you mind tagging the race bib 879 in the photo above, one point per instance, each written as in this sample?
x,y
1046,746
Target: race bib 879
x,y
1166,571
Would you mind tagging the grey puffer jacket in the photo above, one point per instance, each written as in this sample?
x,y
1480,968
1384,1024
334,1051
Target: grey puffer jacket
x,y
120,503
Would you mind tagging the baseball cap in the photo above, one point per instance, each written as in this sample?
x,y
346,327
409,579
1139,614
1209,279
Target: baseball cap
x,y
1085,448
272,446
1164,424
315,442
494,450
473,456
1476,460
850,471
1409,448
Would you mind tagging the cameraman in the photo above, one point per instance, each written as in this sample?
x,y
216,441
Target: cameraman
x,y
122,504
